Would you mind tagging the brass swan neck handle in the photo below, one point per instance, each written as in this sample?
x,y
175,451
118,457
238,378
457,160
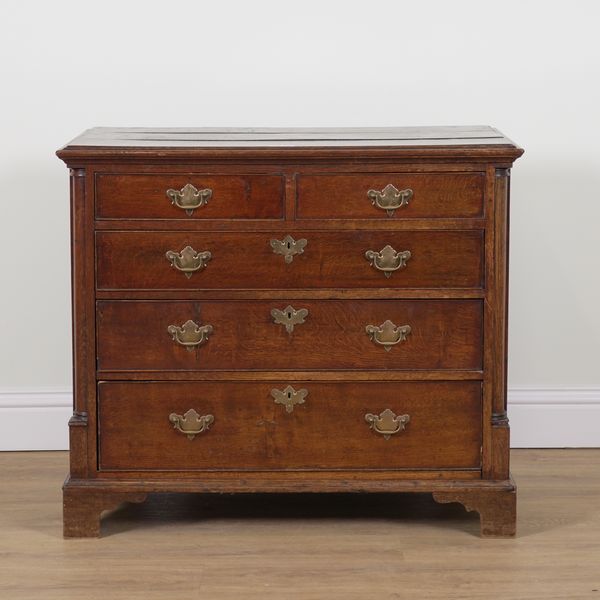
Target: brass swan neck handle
x,y
188,261
390,198
387,423
387,334
190,334
191,423
387,259
189,198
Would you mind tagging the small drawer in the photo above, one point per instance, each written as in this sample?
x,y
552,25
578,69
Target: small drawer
x,y
390,196
184,426
189,196
274,260
289,335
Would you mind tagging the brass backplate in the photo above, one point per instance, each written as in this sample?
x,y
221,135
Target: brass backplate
x,y
188,261
387,259
289,317
191,423
288,247
189,198
390,198
387,334
289,397
190,334
387,423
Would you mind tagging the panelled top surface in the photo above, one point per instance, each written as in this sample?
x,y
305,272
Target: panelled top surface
x,y
107,141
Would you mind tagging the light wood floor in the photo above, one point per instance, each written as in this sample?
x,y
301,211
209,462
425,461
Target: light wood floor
x,y
304,547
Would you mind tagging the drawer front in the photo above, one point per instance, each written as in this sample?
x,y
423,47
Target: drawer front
x,y
390,195
211,197
289,335
351,259
432,425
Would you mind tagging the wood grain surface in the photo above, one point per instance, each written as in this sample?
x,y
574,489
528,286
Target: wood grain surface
x,y
475,143
199,136
434,195
439,259
328,430
446,334
234,196
304,546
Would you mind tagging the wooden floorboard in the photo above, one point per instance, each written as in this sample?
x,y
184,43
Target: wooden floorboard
x,y
305,546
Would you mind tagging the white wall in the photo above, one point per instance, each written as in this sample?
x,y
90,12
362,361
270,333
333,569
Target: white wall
x,y
530,68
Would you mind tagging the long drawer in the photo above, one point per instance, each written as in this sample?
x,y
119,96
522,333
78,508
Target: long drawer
x,y
189,196
390,195
269,426
271,260
294,335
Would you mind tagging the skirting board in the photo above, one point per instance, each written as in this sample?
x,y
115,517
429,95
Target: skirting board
x,y
35,420
539,418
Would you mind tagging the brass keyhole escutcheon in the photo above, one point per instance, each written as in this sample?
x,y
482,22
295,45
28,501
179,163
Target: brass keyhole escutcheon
x,y
288,247
289,317
289,397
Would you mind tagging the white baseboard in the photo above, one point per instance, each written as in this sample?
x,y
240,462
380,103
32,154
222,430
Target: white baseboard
x,y
539,418
35,420
554,418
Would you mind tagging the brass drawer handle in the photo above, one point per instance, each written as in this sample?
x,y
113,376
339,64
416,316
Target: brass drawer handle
x,y
188,261
189,198
390,198
288,247
191,423
387,423
289,397
289,317
190,334
388,260
388,334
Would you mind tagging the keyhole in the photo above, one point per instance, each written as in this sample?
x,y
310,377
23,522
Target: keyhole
x,y
289,395
289,315
289,245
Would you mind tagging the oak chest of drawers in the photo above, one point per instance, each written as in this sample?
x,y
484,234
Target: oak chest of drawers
x,y
289,310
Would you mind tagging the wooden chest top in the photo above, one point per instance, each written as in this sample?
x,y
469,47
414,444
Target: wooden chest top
x,y
390,142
